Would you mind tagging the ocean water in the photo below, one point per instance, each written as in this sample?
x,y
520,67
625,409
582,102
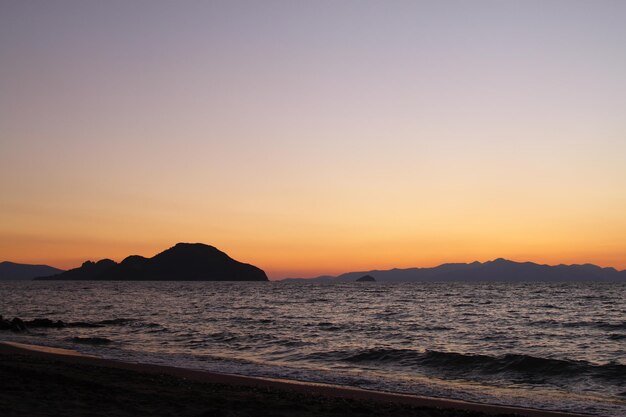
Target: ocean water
x,y
551,346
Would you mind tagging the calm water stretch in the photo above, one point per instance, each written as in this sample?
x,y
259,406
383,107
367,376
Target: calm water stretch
x,y
553,346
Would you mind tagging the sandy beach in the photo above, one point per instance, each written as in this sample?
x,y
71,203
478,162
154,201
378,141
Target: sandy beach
x,y
36,381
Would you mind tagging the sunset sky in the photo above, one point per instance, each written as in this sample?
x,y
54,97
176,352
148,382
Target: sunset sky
x,y
314,137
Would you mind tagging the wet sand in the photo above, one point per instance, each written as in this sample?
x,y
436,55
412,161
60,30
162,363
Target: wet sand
x,y
37,381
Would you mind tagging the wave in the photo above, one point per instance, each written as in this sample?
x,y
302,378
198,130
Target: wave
x,y
612,326
551,306
597,324
328,326
91,340
112,322
509,364
84,324
434,328
118,322
581,324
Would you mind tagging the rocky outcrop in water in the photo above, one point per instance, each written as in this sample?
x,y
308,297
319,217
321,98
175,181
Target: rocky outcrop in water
x,y
16,325
19,325
44,323
183,262
366,278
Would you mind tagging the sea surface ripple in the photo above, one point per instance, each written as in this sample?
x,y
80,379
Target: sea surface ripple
x,y
559,346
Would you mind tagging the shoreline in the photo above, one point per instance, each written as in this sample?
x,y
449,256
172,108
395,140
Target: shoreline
x,y
288,387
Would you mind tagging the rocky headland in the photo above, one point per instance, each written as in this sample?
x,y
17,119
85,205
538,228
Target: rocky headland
x,y
183,262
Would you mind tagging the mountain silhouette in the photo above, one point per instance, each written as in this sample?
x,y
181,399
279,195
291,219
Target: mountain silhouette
x,y
15,271
496,270
183,262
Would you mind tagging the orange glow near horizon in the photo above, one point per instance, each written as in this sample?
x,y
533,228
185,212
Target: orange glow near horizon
x,y
313,231
309,260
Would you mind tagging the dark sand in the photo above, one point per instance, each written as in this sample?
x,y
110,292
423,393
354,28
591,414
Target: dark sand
x,y
43,383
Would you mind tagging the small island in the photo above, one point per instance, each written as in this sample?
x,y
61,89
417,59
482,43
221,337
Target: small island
x,y
183,262
366,278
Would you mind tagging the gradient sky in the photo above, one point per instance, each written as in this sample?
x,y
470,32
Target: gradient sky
x,y
314,137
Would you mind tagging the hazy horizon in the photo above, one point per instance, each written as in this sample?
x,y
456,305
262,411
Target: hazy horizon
x,y
370,270
313,138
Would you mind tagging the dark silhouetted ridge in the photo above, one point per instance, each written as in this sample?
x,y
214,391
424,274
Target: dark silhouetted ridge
x,y
183,262
14,271
497,270
366,278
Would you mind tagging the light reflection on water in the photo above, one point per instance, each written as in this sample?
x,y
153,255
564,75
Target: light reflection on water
x,y
559,346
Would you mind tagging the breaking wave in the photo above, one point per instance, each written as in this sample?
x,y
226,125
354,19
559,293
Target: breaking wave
x,y
488,365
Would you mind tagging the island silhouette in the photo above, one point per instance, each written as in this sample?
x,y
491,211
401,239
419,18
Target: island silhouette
x,y
201,262
15,271
182,262
366,278
498,270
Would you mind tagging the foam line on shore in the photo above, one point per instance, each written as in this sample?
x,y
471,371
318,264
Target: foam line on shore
x,y
45,349
280,384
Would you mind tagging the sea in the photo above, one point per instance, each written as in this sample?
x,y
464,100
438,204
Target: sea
x,y
552,346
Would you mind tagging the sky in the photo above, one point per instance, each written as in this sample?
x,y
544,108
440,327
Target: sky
x,y
314,137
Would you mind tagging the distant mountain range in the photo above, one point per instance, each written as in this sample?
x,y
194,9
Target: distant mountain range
x,y
200,262
14,271
183,262
496,270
